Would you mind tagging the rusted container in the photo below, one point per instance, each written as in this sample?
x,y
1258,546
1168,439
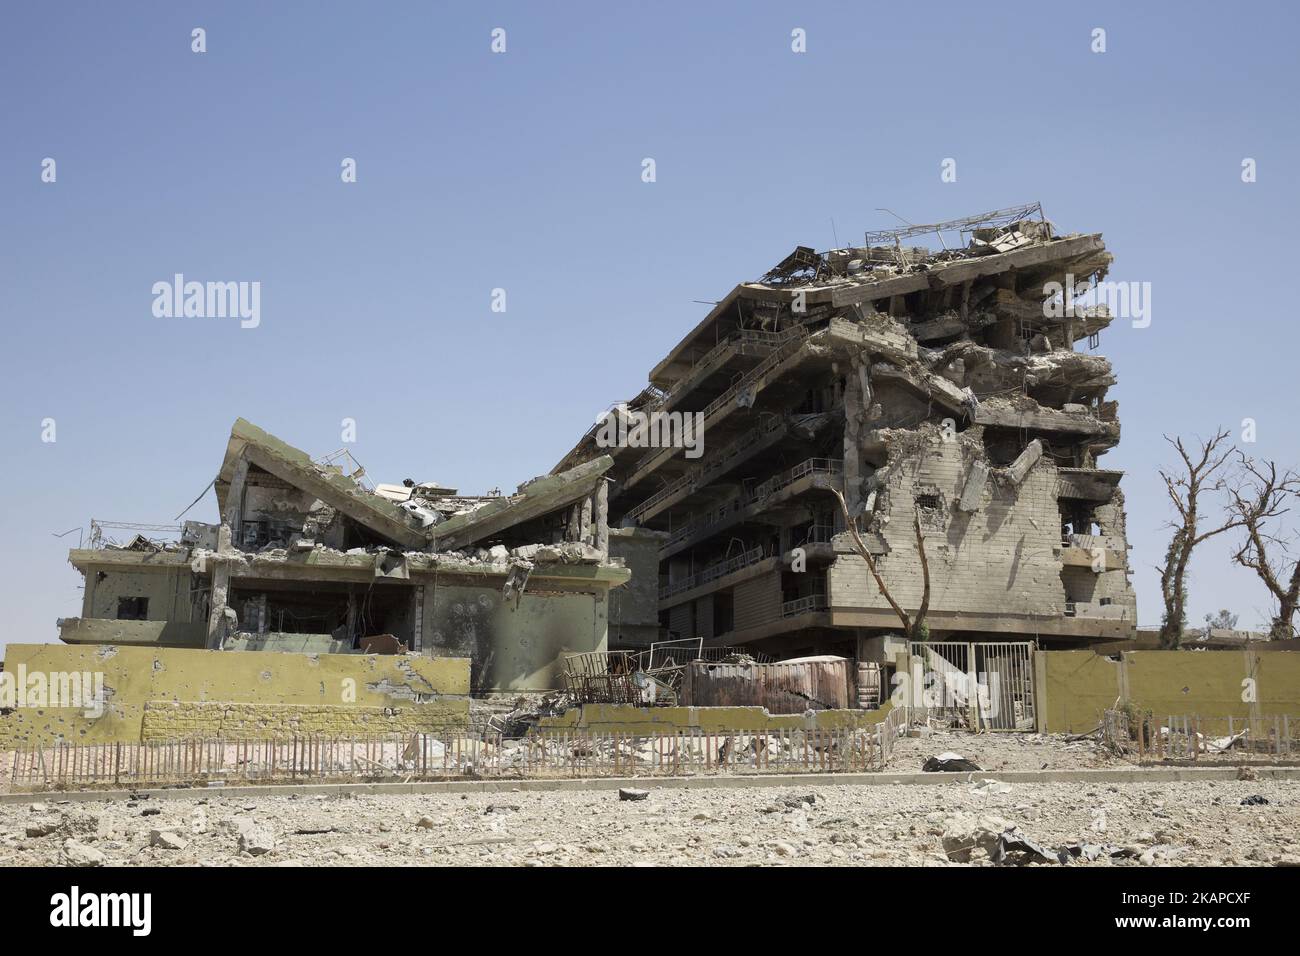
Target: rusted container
x,y
786,687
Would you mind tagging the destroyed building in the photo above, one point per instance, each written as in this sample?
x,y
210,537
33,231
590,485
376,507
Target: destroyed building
x,y
951,389
308,557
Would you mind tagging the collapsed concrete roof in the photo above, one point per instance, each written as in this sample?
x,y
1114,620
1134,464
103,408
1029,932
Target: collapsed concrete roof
x,y
999,275
307,556
832,279
462,526
535,498
331,486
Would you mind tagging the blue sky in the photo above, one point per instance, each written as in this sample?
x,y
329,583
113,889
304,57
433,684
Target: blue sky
x,y
522,171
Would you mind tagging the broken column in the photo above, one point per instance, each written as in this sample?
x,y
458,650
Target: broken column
x,y
602,518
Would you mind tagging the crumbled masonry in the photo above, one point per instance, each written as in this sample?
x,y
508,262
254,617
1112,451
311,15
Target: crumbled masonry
x,y
934,390
943,385
309,558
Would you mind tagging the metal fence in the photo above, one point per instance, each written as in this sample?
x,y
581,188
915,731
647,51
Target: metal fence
x,y
442,757
987,685
1148,738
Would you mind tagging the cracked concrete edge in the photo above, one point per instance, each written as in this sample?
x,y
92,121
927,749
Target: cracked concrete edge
x,y
1162,775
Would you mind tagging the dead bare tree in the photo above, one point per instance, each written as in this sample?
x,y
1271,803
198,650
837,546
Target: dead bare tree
x,y
1200,473
913,627
1259,497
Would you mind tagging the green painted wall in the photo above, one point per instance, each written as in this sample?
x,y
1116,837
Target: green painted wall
x,y
1075,687
136,676
1277,676
166,585
1188,682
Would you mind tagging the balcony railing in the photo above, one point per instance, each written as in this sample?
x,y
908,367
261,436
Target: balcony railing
x,y
746,341
804,605
812,466
712,573
713,466
792,340
818,534
718,515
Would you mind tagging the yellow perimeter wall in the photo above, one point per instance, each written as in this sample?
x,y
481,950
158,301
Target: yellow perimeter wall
x,y
625,719
1075,687
157,693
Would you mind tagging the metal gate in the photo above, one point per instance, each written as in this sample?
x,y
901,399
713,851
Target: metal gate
x,y
986,685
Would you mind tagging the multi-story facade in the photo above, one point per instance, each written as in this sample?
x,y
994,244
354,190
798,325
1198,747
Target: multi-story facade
x,y
950,390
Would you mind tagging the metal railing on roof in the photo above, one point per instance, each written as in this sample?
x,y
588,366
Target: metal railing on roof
x,y
998,217
741,341
99,540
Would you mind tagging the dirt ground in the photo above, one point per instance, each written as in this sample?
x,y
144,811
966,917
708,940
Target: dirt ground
x,y
1005,751
815,823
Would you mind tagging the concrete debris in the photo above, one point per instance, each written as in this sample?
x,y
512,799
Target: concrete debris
x,y
253,838
167,840
516,579
1095,851
1004,843
1013,846
1019,469
988,788
823,822
973,490
76,853
40,828
307,557
525,714
950,387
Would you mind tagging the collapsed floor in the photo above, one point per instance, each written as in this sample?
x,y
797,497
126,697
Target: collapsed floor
x,y
309,557
942,388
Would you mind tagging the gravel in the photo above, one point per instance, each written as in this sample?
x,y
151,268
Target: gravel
x,y
815,822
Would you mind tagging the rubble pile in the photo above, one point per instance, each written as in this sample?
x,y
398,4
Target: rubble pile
x,y
819,823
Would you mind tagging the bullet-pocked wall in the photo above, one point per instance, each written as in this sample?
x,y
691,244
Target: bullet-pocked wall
x,y
161,592
148,689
